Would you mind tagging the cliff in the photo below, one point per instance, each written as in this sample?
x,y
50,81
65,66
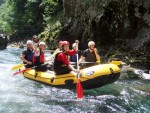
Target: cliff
x,y
115,25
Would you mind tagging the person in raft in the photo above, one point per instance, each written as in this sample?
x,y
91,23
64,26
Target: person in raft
x,y
56,51
39,57
35,40
73,58
27,55
90,55
61,63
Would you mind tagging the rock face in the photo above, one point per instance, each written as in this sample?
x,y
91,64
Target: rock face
x,y
3,42
125,23
106,21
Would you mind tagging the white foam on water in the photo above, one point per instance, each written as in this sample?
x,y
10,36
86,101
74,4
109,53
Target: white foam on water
x,y
6,66
146,76
142,74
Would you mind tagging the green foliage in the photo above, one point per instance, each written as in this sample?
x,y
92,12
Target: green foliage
x,y
24,18
53,18
21,16
5,18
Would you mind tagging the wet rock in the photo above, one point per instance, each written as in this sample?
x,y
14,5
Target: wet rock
x,y
3,42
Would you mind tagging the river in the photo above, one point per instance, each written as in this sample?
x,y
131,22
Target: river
x,y
20,95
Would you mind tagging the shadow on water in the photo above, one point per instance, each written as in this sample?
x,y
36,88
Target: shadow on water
x,y
18,94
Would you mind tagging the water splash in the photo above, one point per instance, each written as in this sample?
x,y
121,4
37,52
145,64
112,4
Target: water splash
x,y
19,94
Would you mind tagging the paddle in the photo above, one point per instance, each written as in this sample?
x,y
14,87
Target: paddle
x,y
22,71
79,89
18,66
29,69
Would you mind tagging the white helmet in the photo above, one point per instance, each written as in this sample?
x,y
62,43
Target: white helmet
x,y
42,43
91,43
29,42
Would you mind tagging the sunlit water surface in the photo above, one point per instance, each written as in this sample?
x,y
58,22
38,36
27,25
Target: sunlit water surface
x,y
20,95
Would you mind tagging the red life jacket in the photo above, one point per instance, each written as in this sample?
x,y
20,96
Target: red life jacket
x,y
42,57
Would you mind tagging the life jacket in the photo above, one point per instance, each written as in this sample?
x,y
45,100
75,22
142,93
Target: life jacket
x,y
90,57
38,60
29,55
57,64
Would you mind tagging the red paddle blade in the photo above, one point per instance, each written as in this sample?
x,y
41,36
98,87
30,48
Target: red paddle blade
x,y
79,90
21,71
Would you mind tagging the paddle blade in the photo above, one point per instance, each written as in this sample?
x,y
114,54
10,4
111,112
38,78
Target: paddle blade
x,y
18,66
21,71
79,90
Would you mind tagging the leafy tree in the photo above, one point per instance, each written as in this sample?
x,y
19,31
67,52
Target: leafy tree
x,y
5,18
24,18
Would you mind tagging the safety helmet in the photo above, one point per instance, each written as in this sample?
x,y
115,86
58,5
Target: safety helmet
x,y
29,42
65,43
42,43
60,42
91,43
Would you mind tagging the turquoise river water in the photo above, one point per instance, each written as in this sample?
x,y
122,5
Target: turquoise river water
x,y
130,94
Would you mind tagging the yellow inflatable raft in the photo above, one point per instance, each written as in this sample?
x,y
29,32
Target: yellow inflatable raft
x,y
91,77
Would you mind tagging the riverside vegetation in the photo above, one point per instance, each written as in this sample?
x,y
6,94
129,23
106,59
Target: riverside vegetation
x,y
120,28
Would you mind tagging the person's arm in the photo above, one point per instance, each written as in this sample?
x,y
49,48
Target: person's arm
x,y
82,59
54,54
69,58
83,56
72,68
71,52
62,57
36,51
97,55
